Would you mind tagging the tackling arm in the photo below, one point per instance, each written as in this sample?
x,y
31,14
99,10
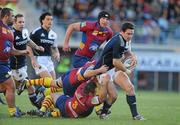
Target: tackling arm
x,y
93,72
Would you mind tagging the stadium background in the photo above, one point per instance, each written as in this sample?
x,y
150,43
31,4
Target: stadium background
x,y
156,41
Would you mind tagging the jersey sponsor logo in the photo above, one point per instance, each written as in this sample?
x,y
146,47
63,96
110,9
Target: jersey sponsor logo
x,y
95,33
7,48
42,35
93,47
21,42
46,41
17,38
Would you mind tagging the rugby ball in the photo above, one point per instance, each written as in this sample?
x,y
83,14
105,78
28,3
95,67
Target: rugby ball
x,y
127,62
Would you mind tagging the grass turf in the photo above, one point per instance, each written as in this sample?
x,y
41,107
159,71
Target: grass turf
x,y
159,108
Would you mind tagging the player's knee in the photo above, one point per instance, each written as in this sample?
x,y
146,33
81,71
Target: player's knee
x,y
106,78
114,97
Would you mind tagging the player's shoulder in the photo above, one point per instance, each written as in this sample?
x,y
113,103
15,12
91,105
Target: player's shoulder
x,y
116,36
109,30
25,31
90,23
52,34
36,30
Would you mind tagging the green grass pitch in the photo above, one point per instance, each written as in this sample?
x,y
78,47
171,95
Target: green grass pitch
x,y
160,108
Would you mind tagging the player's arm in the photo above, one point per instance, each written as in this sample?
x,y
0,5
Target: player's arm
x,y
92,72
55,53
32,57
18,52
117,58
71,28
35,46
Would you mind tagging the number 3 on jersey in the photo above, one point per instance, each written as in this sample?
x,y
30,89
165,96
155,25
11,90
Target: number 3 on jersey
x,y
74,104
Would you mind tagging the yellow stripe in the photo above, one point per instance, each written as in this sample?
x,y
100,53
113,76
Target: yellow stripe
x,y
81,45
79,75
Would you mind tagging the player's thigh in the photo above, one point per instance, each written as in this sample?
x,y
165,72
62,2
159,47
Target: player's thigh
x,y
9,84
6,80
122,80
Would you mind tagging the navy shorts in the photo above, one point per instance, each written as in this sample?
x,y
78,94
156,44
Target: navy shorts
x,y
68,89
79,61
61,104
5,72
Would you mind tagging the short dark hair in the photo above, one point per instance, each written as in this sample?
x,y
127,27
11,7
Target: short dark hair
x,y
43,16
17,16
127,25
90,87
0,11
5,11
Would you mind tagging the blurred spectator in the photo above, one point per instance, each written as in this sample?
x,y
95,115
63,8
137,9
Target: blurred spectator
x,y
164,26
164,15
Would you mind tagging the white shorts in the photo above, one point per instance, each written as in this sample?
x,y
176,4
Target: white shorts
x,y
111,73
40,69
45,61
20,74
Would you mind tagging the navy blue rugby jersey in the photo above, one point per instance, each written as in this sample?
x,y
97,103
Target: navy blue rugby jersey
x,y
44,38
113,49
21,38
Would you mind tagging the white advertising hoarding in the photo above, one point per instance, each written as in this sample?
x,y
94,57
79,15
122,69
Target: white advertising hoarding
x,y
158,61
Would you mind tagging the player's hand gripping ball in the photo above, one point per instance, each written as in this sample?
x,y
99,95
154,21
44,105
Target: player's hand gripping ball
x,y
129,62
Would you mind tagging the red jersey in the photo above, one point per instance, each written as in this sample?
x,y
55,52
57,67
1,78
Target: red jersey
x,y
81,102
6,42
76,75
93,36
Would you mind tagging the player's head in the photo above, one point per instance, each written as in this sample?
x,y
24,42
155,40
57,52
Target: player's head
x,y
103,18
7,15
19,22
0,11
90,87
127,30
46,20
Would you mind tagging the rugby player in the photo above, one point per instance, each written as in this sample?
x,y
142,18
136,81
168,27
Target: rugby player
x,y
112,55
6,49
